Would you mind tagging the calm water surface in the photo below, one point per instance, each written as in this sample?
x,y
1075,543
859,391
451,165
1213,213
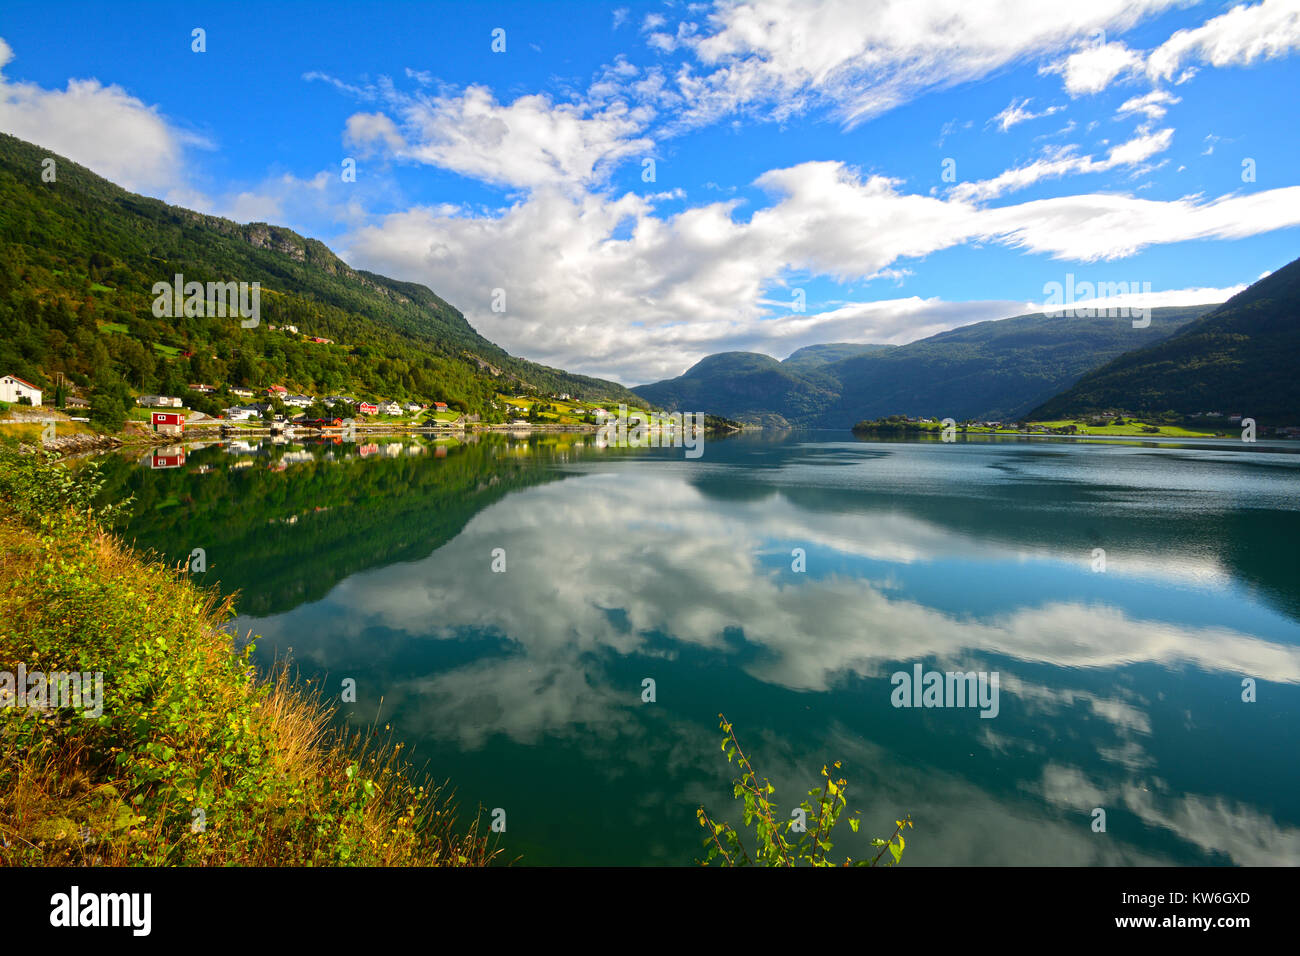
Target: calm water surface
x,y
1118,689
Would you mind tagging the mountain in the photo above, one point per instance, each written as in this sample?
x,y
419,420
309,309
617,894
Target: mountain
x,y
79,257
750,386
1239,359
995,369
814,356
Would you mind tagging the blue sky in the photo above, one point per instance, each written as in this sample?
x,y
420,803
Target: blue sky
x,y
796,145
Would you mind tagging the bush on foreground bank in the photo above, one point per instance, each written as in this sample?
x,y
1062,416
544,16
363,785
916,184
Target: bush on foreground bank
x,y
194,760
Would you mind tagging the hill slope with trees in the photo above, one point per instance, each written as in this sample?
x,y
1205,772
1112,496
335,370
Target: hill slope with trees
x,y
79,257
1240,359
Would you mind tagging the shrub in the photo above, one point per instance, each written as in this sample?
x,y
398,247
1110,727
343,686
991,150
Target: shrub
x,y
804,838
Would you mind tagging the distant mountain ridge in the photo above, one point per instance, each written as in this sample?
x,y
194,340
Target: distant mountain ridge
x,y
1240,359
999,369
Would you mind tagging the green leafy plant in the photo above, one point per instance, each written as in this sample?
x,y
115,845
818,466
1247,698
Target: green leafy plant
x,y
802,839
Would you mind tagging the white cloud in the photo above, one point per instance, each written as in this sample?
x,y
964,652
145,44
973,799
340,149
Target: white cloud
x,y
101,127
1065,162
1241,36
1016,113
1153,105
531,142
867,58
1094,68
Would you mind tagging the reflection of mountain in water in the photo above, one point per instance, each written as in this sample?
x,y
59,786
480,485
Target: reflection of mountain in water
x,y
1067,512
283,524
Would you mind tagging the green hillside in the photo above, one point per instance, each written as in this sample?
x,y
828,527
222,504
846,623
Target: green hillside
x,y
748,387
79,258
815,356
1240,359
997,369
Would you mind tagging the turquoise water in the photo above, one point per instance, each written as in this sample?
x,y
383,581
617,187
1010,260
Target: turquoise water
x,y
1118,689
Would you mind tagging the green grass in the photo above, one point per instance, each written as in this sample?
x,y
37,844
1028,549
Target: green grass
x,y
1131,429
114,327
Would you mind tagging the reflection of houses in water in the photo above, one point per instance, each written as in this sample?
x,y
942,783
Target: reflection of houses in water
x,y
392,449
440,451
414,449
243,448
297,457
169,456
367,450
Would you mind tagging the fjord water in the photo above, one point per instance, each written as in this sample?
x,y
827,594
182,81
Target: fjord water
x,y
1119,689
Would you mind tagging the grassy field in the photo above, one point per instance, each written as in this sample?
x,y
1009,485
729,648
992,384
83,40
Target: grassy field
x,y
31,432
1131,428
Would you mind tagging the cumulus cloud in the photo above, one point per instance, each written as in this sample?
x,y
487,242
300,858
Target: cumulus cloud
x,y
530,142
1094,68
101,127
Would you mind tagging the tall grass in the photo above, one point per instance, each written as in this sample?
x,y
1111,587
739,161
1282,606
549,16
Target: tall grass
x,y
195,760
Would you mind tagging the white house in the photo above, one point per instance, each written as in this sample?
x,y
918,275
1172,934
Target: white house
x,y
391,408
13,388
298,401
159,401
241,413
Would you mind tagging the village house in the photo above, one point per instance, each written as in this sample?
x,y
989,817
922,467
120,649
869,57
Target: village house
x,y
242,392
298,401
13,388
439,406
159,401
368,408
241,413
390,408
200,387
277,390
